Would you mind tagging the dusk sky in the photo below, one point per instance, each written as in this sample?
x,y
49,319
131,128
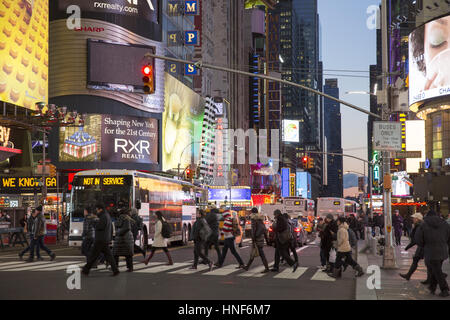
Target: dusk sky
x,y
348,44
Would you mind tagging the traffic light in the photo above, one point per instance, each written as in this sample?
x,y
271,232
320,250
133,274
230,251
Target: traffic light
x,y
148,79
305,162
310,163
52,171
189,173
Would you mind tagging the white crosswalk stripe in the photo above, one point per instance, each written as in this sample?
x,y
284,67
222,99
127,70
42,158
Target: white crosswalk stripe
x,y
254,273
163,268
179,268
201,267
322,276
288,274
224,271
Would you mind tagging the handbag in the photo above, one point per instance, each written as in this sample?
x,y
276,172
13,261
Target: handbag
x,y
255,251
236,229
332,256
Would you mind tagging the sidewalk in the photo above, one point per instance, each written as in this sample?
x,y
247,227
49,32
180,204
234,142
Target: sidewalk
x,y
393,287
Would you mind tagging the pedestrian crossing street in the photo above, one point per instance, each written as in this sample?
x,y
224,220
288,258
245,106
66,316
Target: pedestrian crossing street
x,y
178,268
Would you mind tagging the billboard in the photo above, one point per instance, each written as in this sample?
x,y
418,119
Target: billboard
x,y
138,16
429,74
285,181
224,194
304,184
110,138
182,124
291,131
401,184
24,52
415,141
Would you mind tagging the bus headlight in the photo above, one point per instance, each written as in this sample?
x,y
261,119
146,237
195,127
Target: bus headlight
x,y
75,231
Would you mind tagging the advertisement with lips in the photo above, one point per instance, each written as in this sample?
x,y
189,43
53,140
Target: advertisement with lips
x,y
429,52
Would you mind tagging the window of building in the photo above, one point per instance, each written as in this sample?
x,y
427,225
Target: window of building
x,y
437,136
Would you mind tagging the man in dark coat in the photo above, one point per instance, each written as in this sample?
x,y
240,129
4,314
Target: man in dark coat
x,y
282,242
136,226
328,236
213,240
259,234
124,242
397,223
103,235
434,237
199,234
380,222
418,220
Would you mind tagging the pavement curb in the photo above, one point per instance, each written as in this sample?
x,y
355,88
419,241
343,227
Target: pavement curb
x,y
362,291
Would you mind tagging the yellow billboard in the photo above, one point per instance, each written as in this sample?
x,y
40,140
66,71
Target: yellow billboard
x,y
182,124
24,52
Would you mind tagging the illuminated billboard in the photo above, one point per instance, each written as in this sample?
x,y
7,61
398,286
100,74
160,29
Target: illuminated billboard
x,y
291,131
182,124
110,138
24,52
304,185
401,184
429,74
415,141
227,194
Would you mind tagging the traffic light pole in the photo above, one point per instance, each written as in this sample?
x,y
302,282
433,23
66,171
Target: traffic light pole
x,y
389,260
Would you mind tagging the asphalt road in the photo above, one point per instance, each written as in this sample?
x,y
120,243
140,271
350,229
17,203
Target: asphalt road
x,y
48,280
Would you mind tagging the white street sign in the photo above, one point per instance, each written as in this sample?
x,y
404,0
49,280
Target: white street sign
x,y
387,136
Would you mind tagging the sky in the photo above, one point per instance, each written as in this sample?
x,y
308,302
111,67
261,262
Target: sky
x,y
348,44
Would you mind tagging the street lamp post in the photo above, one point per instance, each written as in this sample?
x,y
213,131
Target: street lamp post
x,y
181,156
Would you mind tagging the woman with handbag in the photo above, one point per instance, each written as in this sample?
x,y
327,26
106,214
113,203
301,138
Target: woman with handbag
x,y
283,239
123,241
159,242
230,231
200,234
259,234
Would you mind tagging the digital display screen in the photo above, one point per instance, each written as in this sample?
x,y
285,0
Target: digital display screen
x,y
116,64
429,52
337,203
102,181
25,184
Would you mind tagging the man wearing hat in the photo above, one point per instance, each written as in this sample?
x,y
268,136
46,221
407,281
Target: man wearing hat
x,y
39,230
434,236
417,221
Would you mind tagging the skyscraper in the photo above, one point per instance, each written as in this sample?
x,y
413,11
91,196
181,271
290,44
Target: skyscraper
x,y
333,140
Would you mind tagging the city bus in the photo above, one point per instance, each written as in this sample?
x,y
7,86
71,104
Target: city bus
x,y
336,206
147,193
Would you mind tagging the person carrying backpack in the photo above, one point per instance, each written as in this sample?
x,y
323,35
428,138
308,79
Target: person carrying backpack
x,y
160,238
213,239
136,226
230,231
259,234
200,235
283,239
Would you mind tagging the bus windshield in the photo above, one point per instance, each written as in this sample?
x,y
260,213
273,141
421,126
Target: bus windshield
x,y
85,194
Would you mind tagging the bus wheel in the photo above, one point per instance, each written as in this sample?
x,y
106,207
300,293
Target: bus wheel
x,y
185,236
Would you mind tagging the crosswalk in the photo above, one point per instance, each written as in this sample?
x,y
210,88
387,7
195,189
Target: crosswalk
x,y
178,268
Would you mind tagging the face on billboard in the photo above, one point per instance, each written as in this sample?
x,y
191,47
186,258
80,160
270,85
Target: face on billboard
x,y
291,131
24,52
110,138
430,51
182,124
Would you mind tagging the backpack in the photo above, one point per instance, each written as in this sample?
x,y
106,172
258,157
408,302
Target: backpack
x,y
236,229
352,238
205,230
166,230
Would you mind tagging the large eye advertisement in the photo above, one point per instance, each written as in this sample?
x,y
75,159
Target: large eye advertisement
x,y
182,124
24,52
429,51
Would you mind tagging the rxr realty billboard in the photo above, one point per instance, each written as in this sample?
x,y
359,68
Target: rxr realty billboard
x,y
110,138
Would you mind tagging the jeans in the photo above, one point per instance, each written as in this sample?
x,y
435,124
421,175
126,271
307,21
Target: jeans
x,y
215,243
128,259
348,259
229,244
434,268
260,250
28,248
198,247
323,258
282,250
97,249
41,245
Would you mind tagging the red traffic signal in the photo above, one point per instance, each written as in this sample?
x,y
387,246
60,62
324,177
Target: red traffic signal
x,y
147,71
305,159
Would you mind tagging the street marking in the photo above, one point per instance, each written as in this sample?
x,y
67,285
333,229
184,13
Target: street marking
x,y
288,274
34,267
23,263
102,268
322,276
10,263
255,272
60,267
201,267
163,268
224,271
302,248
